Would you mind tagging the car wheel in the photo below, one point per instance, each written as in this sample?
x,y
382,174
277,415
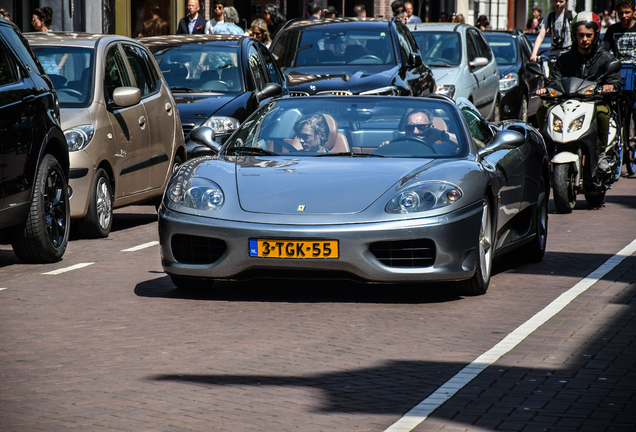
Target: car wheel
x,y
44,236
191,285
478,284
535,250
176,164
629,155
99,220
596,199
496,113
563,188
523,111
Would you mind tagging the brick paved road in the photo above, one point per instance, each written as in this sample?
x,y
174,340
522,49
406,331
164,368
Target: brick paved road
x,y
113,346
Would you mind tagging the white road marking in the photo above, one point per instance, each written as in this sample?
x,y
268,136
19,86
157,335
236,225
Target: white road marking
x,y
67,269
2,289
421,411
141,246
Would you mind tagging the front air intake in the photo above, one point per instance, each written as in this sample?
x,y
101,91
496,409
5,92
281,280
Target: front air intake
x,y
188,249
405,253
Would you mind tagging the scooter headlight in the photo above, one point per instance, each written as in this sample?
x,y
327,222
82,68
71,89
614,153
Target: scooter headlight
x,y
576,125
557,124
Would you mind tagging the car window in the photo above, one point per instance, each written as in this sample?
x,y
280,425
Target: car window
x,y
482,46
310,47
115,74
255,64
377,126
479,128
471,47
504,48
8,73
403,41
526,48
71,71
439,48
142,69
22,47
206,67
274,75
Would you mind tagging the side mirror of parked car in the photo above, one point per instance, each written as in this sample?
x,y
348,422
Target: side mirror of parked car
x,y
126,96
504,140
478,62
415,59
270,90
534,68
204,136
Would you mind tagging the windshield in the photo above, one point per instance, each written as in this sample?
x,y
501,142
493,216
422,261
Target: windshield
x,y
324,47
71,71
439,48
200,67
352,127
504,49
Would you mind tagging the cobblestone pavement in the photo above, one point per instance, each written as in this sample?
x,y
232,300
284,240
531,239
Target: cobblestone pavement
x,y
113,346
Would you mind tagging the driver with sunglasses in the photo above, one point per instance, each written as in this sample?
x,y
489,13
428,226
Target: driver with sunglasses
x,y
419,124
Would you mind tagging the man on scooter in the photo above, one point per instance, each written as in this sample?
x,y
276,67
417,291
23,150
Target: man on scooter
x,y
586,60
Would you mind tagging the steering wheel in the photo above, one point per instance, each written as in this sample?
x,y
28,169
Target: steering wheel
x,y
215,85
370,57
71,91
414,140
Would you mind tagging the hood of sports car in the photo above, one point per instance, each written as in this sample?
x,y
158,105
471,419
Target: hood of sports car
x,y
317,185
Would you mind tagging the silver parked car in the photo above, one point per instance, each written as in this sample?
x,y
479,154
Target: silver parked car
x,y
120,120
463,63
370,188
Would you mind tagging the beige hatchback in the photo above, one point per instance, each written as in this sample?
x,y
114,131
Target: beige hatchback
x,y
120,121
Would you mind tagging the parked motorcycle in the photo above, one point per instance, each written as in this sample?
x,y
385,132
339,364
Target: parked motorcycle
x,y
572,138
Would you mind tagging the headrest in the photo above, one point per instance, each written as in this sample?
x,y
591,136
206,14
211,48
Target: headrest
x,y
333,131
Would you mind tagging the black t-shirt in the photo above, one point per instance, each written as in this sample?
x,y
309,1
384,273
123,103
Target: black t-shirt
x,y
621,42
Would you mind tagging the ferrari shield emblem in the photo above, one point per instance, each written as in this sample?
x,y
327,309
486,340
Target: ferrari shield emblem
x,y
301,208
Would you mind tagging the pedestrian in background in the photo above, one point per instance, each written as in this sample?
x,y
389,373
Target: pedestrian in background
x,y
274,18
461,19
557,23
401,15
5,14
192,23
359,11
155,26
443,17
329,12
410,18
314,11
217,11
228,26
483,23
260,32
536,13
42,19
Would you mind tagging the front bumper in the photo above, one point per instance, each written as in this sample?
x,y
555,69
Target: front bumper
x,y
455,236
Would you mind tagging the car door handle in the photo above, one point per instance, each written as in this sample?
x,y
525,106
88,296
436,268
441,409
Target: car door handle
x,y
168,108
142,122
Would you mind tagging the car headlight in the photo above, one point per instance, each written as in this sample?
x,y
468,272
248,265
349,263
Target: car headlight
x,y
557,124
222,125
424,196
508,81
589,90
78,137
194,192
576,124
388,90
446,90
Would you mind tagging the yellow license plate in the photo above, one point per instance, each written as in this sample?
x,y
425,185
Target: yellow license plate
x,y
268,248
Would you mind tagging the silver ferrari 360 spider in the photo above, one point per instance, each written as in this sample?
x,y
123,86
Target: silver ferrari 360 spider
x,y
374,189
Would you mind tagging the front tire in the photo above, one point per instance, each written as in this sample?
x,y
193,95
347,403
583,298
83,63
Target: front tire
x,y
629,153
98,222
44,236
523,111
563,188
596,199
496,113
478,284
534,251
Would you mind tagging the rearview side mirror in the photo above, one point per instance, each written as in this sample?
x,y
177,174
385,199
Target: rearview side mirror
x,y
534,68
504,140
478,62
415,59
270,90
126,96
204,136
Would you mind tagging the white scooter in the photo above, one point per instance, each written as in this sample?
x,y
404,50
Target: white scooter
x,y
571,135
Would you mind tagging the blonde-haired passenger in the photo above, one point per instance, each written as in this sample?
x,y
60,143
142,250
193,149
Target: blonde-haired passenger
x,y
259,31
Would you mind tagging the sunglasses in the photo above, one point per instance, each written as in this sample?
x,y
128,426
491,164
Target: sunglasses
x,y
257,33
411,128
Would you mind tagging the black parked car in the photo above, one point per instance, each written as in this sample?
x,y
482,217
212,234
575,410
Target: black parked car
x,y
217,80
345,56
517,85
34,193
